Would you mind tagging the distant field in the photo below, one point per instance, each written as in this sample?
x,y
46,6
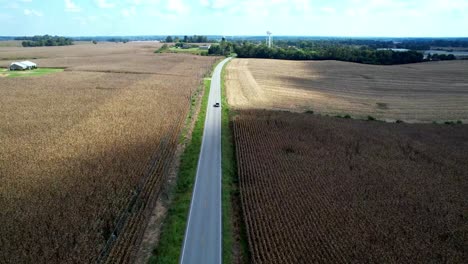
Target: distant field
x,y
82,146
424,92
318,189
80,49
10,43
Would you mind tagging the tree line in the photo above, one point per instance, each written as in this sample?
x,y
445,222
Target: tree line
x,y
46,40
188,39
411,43
328,52
440,57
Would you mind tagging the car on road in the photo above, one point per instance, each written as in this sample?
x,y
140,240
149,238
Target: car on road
x,y
216,105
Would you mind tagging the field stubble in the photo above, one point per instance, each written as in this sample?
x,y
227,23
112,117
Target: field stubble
x,y
423,92
76,146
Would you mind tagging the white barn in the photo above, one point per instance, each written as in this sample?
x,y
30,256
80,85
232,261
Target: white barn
x,y
205,47
18,66
31,65
21,66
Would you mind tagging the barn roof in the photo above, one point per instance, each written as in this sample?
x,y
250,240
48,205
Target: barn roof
x,y
22,65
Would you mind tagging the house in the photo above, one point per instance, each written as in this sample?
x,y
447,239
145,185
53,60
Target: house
x,y
22,66
205,47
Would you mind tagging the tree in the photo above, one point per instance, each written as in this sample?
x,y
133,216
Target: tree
x,y
169,39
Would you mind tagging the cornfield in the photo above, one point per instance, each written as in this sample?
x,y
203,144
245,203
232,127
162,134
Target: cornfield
x,y
327,190
84,153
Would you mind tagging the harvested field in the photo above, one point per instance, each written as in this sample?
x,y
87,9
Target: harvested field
x,y
85,151
327,190
424,92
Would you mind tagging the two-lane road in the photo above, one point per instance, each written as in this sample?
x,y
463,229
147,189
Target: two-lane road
x,y
202,243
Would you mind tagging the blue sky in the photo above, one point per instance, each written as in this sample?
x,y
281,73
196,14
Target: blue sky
x,y
393,18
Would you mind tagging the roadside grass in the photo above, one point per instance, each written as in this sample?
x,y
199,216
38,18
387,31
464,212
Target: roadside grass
x,y
29,73
230,187
173,230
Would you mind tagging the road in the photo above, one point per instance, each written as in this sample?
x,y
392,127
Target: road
x,y
203,243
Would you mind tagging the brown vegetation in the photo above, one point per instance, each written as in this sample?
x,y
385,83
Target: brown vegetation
x,y
424,92
85,149
328,190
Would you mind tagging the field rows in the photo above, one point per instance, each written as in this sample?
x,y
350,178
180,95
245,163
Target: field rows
x,y
79,148
323,190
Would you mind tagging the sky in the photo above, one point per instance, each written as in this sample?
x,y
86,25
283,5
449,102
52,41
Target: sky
x,y
348,18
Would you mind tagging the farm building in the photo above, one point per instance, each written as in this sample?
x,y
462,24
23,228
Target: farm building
x,y
21,66
205,47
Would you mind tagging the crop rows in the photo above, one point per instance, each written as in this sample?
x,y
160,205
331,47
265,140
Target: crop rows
x,y
83,156
327,190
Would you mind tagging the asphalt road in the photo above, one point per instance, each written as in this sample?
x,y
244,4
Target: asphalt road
x,y
202,243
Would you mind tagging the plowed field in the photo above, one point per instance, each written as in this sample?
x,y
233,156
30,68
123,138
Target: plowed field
x,y
423,92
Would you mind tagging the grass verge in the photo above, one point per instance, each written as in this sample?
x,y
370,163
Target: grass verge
x,y
36,72
172,233
194,51
235,247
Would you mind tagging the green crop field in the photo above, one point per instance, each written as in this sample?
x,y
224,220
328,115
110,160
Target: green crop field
x,y
195,51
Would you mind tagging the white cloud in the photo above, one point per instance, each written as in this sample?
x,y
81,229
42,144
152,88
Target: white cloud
x,y
128,12
32,12
177,6
161,15
104,4
85,20
71,7
329,10
143,2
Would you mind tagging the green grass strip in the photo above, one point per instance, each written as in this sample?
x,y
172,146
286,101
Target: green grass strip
x,y
230,184
173,230
29,73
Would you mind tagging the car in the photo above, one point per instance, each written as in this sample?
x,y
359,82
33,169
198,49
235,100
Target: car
x,y
216,105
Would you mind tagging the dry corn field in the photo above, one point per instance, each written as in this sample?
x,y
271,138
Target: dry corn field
x,y
327,190
423,92
85,152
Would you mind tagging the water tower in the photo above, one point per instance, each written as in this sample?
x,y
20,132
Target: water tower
x,y
270,39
